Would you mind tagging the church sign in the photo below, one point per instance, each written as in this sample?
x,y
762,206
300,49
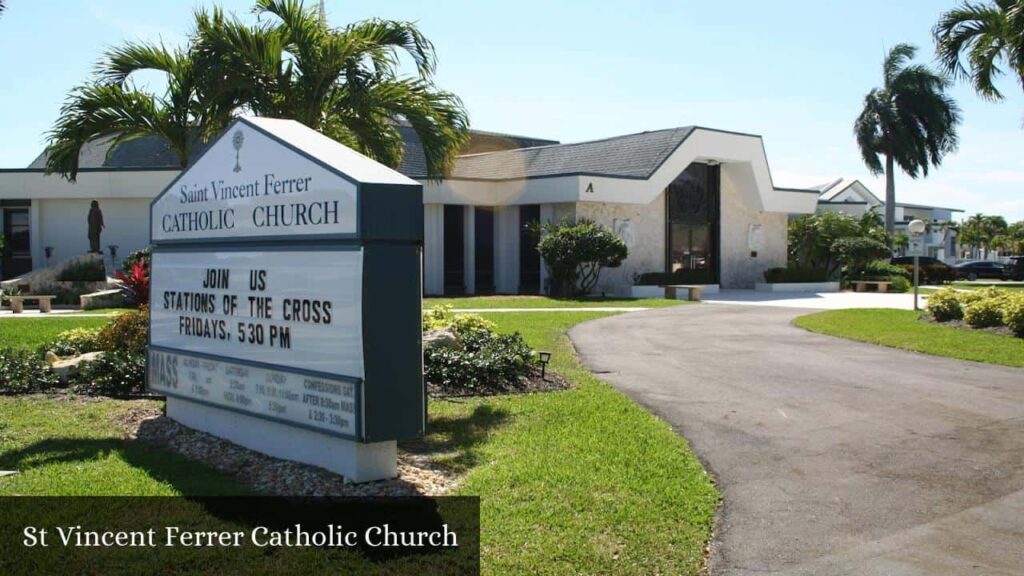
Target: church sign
x,y
285,299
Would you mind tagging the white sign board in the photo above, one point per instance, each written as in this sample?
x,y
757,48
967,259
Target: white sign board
x,y
253,189
285,299
321,403
915,247
289,308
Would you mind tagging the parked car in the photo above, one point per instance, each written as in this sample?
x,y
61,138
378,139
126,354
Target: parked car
x,y
982,269
932,270
1015,268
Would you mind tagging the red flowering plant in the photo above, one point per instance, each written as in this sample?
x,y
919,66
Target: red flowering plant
x,y
135,284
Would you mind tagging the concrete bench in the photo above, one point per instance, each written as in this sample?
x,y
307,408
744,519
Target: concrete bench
x,y
18,303
862,285
692,292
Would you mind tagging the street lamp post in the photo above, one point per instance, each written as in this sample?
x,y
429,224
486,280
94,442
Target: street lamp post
x,y
916,228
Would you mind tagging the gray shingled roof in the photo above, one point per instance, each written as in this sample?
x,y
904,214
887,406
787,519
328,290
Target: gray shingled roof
x,y
147,152
150,152
631,156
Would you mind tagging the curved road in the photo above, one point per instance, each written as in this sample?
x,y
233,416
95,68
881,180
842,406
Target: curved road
x,y
834,457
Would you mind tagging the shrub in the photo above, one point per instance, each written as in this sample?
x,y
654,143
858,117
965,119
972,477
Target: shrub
x,y
984,312
75,341
945,305
883,270
143,255
442,318
24,372
85,270
69,293
854,253
1013,314
795,274
495,361
135,284
575,253
899,284
128,331
118,374
677,277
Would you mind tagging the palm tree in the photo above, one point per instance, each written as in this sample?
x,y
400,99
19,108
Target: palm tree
x,y
344,82
973,39
910,121
192,108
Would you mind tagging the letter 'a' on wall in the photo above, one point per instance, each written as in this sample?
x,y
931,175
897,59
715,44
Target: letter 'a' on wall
x,y
286,299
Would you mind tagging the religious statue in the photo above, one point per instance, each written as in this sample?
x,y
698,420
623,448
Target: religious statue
x,y
95,227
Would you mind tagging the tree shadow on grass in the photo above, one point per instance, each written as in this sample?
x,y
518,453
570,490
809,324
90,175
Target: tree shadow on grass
x,y
187,476
454,441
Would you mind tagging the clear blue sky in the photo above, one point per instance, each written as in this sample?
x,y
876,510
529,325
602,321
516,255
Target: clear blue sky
x,y
793,71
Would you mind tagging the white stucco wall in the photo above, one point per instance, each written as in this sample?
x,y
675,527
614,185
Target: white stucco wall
x,y
646,223
433,248
738,268
63,225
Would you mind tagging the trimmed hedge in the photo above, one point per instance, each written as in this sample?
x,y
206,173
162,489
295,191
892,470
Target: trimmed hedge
x,y
986,308
795,274
677,277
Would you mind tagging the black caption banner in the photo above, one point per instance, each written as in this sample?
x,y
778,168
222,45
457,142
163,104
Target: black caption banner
x,y
239,535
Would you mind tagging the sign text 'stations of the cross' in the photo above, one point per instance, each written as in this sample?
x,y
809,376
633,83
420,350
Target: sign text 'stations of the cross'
x,y
285,299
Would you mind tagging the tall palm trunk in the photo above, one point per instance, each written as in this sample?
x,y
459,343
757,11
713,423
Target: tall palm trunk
x,y
890,196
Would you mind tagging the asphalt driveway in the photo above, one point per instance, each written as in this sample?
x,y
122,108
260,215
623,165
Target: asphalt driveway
x,y
834,457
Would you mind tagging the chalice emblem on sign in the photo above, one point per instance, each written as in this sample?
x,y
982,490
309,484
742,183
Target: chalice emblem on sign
x,y
237,141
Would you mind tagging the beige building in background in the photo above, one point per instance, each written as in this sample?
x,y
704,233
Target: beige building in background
x,y
694,201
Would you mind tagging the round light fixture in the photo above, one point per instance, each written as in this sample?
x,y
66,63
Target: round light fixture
x,y
917,226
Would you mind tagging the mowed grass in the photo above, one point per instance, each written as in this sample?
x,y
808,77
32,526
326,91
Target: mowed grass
x,y
904,329
481,302
30,333
68,446
576,482
581,481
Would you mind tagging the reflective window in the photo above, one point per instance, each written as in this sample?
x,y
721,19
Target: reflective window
x,y
692,213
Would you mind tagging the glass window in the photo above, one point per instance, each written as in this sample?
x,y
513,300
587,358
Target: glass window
x,y
692,200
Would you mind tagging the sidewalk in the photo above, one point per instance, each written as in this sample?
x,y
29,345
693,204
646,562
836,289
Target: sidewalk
x,y
816,300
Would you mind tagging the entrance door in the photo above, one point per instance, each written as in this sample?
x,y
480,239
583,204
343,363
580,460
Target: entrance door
x,y
454,254
17,253
529,258
484,248
692,225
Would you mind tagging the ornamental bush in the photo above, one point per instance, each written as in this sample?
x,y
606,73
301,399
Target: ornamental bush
x,y
883,270
795,274
128,331
488,361
576,252
441,317
986,310
118,374
75,341
899,284
945,305
1013,313
24,372
143,255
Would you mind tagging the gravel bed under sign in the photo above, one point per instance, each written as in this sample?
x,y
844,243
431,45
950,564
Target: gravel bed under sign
x,y
269,475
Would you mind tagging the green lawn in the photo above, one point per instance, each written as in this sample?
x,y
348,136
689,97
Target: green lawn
x,y
31,333
471,302
903,329
581,481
